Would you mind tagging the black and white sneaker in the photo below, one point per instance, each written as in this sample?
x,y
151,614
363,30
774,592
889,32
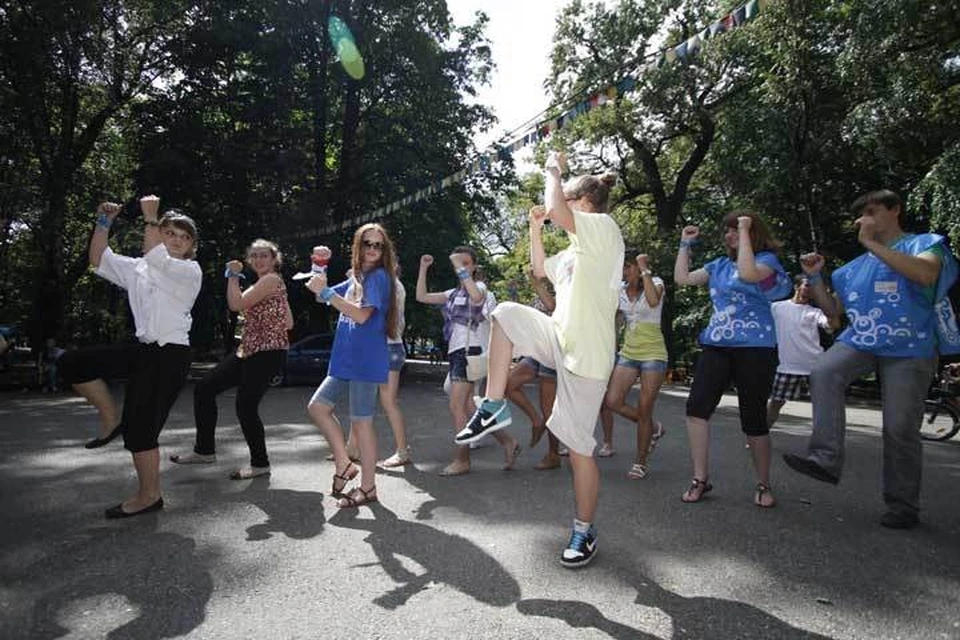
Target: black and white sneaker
x,y
484,421
581,549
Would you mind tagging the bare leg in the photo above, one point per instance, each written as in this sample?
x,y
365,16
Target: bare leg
x,y
324,417
773,410
98,394
586,485
606,421
760,450
367,439
621,380
461,401
147,464
519,376
650,382
698,431
499,354
388,400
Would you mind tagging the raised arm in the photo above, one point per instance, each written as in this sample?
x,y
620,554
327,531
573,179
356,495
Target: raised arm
x,y
239,300
812,266
422,295
553,198
543,292
107,212
651,290
923,269
353,310
748,269
466,278
538,216
681,268
150,206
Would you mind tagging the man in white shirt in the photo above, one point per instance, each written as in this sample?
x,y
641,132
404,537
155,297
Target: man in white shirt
x,y
798,345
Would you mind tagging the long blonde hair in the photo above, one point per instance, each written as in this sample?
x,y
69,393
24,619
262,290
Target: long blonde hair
x,y
388,261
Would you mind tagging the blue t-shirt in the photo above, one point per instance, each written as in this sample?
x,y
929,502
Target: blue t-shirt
x,y
889,314
741,310
360,350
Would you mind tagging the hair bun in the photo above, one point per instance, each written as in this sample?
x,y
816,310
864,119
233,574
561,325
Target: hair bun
x,y
609,179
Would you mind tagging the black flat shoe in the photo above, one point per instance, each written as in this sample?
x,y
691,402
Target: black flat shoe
x,y
809,468
114,513
96,443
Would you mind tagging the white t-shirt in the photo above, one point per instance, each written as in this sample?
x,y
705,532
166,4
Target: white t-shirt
x,y
401,320
161,290
586,276
639,310
798,340
479,336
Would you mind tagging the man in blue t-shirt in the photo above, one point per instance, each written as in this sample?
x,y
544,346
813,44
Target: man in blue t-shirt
x,y
888,295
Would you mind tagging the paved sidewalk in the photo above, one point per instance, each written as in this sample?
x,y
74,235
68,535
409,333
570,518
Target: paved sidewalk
x,y
474,556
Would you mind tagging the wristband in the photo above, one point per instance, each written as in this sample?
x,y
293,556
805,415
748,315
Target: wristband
x,y
462,273
686,244
813,278
152,223
233,274
646,272
104,221
325,294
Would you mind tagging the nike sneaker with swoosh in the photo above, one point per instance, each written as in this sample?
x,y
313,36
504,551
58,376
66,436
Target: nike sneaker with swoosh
x,y
486,419
581,549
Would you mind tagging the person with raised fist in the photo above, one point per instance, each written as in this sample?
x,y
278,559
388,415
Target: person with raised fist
x,y
466,312
739,344
161,286
889,295
259,357
578,341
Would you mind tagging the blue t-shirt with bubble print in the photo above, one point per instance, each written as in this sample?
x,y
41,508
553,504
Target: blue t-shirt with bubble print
x,y
741,310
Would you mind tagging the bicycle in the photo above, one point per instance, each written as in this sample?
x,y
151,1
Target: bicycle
x,y
941,412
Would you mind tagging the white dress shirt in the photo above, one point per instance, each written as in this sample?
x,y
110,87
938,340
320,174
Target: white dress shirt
x,y
161,290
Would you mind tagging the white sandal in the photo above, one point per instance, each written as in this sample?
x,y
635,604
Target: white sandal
x,y
193,458
637,472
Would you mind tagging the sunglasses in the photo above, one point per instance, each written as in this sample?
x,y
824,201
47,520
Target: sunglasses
x,y
372,245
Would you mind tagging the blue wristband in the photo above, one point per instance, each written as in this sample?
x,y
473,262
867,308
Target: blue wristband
x,y
104,221
233,274
688,243
463,274
325,295
814,278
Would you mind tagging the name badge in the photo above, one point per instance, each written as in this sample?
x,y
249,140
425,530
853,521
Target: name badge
x,y
460,300
885,286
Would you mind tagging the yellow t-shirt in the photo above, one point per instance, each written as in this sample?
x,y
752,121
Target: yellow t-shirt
x,y
586,276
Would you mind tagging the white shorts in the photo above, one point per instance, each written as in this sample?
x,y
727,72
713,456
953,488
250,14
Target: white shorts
x,y
578,399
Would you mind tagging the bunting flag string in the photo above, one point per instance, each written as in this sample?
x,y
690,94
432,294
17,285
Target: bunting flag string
x,y
541,130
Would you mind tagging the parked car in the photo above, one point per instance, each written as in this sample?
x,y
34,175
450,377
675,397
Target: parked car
x,y
307,361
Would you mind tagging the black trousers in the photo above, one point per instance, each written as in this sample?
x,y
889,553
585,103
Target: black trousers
x,y
251,376
155,375
752,369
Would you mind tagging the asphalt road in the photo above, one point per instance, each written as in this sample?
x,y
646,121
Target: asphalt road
x,y
473,556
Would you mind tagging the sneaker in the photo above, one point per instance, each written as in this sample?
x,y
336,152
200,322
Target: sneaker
x,y
580,550
809,468
606,450
483,422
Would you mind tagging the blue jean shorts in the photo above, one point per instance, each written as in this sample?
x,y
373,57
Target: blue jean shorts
x,y
458,363
659,366
363,396
398,356
543,371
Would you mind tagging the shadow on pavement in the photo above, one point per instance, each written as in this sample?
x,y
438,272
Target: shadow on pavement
x,y
447,558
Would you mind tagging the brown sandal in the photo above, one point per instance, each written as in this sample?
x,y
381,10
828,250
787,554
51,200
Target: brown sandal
x,y
349,473
697,488
352,501
758,497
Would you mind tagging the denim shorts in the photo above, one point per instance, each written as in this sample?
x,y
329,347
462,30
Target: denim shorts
x,y
363,396
642,365
398,356
543,371
458,363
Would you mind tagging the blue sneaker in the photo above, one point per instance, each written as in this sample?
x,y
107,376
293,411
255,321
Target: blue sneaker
x,y
483,421
581,549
